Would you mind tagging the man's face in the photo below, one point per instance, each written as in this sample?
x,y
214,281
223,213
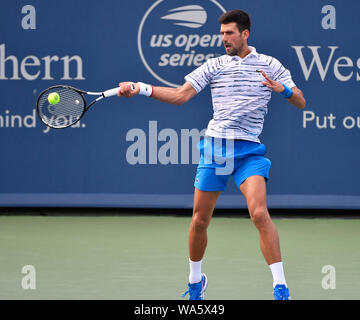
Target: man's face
x,y
233,40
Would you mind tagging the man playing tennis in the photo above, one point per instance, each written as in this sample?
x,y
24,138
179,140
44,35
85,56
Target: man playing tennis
x,y
241,82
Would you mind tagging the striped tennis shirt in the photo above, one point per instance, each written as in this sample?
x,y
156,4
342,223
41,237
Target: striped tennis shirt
x,y
239,98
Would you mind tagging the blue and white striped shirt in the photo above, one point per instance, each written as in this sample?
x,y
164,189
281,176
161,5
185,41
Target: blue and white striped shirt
x,y
239,98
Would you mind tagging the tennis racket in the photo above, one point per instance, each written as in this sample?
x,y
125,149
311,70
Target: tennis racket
x,y
71,106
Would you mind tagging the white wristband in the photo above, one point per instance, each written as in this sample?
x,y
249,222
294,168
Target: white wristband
x,y
145,89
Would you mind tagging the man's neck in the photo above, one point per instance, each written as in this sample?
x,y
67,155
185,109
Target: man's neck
x,y
244,52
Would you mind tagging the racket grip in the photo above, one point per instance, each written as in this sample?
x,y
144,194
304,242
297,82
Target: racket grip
x,y
111,92
114,92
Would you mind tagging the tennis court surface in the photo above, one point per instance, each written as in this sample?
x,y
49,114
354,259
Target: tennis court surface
x,y
145,257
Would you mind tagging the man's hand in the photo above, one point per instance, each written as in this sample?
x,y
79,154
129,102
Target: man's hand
x,y
126,90
297,99
271,84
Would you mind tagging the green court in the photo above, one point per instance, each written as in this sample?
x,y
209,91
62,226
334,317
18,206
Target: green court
x,y
146,257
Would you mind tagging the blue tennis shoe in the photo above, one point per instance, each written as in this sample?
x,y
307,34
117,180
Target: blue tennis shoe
x,y
196,290
281,292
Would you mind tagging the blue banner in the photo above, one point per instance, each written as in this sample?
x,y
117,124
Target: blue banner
x,y
140,152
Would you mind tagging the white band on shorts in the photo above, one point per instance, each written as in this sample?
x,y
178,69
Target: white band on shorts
x,y
145,89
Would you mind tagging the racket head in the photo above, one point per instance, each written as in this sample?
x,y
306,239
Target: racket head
x,y
68,111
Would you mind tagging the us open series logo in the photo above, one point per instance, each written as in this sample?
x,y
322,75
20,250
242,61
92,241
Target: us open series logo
x,y
176,37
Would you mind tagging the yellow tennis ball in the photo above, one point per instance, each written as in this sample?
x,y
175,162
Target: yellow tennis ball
x,y
53,98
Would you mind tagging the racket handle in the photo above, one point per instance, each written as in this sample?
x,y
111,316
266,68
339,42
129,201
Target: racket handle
x,y
115,91
111,92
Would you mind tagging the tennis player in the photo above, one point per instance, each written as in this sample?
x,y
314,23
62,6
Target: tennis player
x,y
241,81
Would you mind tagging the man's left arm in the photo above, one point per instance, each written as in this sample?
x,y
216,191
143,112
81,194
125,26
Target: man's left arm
x,y
296,96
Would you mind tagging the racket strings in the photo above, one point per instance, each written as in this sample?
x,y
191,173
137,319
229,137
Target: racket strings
x,y
66,112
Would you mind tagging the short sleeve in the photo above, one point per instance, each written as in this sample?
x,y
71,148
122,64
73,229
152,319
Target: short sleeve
x,y
203,75
281,74
200,77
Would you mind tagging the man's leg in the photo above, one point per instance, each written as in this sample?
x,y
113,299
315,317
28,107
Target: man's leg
x,y
254,190
204,204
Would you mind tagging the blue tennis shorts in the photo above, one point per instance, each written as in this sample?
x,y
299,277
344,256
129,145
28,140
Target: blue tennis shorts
x,y
222,158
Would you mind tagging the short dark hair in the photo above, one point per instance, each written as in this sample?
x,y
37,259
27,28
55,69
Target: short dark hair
x,y
241,18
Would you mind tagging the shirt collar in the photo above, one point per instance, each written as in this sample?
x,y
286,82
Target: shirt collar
x,y
253,52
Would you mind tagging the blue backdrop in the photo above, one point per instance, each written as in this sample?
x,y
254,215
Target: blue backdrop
x,y
93,45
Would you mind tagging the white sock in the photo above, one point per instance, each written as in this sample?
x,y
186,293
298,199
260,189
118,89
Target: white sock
x,y
195,271
278,273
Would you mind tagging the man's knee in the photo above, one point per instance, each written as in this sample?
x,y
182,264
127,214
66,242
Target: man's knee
x,y
260,216
199,222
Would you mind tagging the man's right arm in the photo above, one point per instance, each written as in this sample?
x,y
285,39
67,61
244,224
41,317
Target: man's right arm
x,y
176,96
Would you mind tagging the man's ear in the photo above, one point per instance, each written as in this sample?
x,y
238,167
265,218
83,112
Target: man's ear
x,y
246,34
